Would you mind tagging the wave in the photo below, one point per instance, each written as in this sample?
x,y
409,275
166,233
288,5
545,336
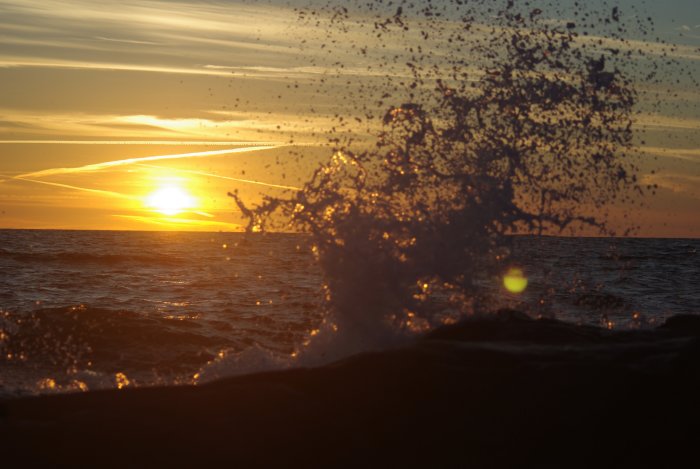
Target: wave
x,y
526,130
58,343
62,344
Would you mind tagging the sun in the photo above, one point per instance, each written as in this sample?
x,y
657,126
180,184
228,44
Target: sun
x,y
170,200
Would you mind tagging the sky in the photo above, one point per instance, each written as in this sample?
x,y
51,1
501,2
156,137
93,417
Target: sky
x,y
144,114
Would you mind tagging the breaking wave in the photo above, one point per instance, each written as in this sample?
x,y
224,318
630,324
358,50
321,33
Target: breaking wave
x,y
480,122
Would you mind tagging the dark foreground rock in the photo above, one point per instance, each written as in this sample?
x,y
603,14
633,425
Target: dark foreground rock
x,y
500,392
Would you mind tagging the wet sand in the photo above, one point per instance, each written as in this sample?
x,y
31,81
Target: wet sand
x,y
501,392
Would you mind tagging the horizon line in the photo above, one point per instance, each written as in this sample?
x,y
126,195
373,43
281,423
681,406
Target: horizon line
x,y
308,234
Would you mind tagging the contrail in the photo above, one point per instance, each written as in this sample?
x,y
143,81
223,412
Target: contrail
x,y
142,142
201,173
85,189
128,161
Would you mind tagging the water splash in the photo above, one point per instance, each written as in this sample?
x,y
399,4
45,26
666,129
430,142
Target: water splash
x,y
505,121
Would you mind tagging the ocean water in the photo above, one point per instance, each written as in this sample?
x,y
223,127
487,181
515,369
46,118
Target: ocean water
x,y
84,310
80,308
410,224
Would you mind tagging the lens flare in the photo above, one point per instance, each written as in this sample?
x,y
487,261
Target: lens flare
x,y
514,280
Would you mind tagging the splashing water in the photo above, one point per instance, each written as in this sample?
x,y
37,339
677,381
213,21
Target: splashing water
x,y
468,124
504,122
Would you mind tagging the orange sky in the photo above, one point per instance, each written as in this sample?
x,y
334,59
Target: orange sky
x,y
93,91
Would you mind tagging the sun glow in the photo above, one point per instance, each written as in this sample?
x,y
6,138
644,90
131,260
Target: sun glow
x,y
170,200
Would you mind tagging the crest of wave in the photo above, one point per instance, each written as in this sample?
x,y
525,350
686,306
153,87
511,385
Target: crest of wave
x,y
536,137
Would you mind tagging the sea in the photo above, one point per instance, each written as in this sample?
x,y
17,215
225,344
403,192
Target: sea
x,y
86,310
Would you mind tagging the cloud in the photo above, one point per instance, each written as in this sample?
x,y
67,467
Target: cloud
x,y
686,184
66,124
217,128
685,154
127,41
38,62
150,35
667,122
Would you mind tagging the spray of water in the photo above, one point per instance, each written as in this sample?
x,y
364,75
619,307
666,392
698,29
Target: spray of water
x,y
524,125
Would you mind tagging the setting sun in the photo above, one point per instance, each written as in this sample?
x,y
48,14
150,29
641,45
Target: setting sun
x,y
170,200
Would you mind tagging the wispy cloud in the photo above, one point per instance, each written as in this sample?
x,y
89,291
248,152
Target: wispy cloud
x,y
126,41
39,62
686,154
205,125
66,124
675,182
667,121
177,38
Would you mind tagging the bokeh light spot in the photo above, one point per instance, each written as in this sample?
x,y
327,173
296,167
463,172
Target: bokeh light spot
x,y
514,280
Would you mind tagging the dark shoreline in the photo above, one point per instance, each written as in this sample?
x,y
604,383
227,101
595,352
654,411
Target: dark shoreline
x,y
507,391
